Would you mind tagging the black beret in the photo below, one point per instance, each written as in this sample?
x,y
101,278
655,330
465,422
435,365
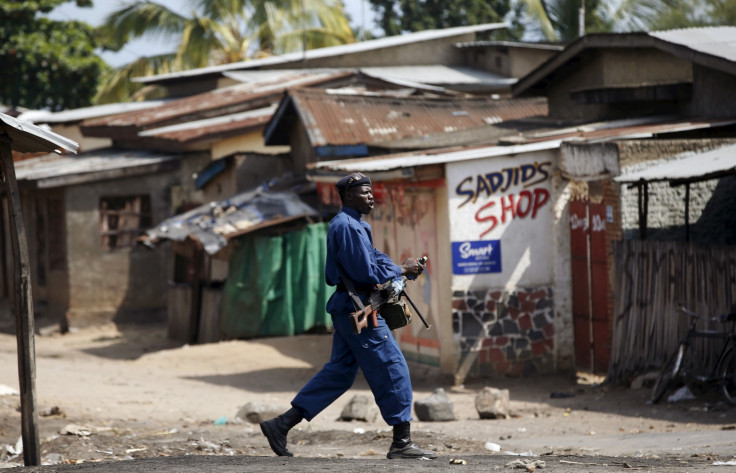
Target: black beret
x,y
352,180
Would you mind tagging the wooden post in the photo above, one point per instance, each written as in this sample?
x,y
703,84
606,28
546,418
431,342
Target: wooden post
x,y
687,211
24,324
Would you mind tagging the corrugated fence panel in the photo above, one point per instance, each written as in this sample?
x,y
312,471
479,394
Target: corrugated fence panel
x,y
653,279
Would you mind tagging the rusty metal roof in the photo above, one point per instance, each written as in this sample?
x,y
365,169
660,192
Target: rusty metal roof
x,y
212,127
215,103
333,119
645,127
29,138
593,133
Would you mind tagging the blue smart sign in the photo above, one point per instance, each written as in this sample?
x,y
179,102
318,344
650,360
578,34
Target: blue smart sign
x,y
474,257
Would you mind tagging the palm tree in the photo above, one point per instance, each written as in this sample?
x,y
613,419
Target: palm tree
x,y
558,20
218,32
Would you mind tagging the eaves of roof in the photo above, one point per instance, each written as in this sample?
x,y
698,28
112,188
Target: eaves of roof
x,y
26,137
719,55
56,171
333,51
688,167
87,113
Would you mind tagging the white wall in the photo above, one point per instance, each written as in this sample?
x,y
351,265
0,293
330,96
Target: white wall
x,y
505,202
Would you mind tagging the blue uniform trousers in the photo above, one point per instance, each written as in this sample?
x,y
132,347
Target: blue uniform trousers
x,y
377,354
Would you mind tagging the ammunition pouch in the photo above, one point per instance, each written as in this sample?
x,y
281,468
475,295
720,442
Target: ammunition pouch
x,y
396,314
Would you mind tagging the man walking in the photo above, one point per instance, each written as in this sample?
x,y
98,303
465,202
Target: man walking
x,y
350,252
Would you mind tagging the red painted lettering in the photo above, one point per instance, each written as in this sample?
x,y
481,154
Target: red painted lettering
x,y
507,207
541,196
491,218
524,195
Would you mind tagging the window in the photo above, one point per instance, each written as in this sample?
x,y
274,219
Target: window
x,y
122,219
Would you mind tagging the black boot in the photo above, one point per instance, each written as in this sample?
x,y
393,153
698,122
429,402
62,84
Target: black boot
x,y
403,447
277,428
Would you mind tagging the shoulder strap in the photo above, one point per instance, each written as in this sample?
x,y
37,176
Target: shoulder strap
x,y
348,283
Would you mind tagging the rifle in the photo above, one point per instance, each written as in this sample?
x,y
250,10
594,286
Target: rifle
x,y
383,294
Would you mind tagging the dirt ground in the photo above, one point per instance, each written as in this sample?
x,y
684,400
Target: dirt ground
x,y
114,393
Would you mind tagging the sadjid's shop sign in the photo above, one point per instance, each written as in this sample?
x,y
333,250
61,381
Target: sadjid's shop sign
x,y
495,209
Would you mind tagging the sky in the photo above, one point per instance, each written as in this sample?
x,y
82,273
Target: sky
x,y
358,10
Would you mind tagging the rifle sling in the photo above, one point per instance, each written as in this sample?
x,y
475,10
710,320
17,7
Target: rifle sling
x,y
348,283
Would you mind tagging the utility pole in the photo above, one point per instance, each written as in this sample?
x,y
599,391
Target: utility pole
x,y
581,19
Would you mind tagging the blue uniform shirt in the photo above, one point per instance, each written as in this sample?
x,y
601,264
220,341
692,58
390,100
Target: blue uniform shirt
x,y
350,244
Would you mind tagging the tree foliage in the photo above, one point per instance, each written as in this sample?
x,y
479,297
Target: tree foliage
x,y
398,16
45,63
559,20
219,32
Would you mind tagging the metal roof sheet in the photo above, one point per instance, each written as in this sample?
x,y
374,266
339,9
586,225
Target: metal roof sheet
x,y
53,170
231,99
419,76
198,129
719,41
29,138
214,223
687,167
512,44
406,160
84,113
438,75
597,133
342,120
345,49
713,47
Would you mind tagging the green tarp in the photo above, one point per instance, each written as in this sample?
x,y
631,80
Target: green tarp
x,y
276,285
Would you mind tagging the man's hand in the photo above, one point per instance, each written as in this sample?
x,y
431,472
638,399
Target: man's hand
x,y
411,268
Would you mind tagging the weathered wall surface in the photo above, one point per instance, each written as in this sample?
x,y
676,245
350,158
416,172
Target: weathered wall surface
x,y
712,203
508,238
405,225
125,283
438,51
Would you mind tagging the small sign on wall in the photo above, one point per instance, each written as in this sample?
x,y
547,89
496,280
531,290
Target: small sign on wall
x,y
474,257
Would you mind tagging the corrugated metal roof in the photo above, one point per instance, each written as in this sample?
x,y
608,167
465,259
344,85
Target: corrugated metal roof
x,y
84,113
213,224
346,49
623,129
719,41
342,120
687,167
199,129
599,133
53,170
250,76
29,138
406,160
214,103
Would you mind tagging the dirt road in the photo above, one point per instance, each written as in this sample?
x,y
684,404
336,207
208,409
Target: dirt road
x,y
110,393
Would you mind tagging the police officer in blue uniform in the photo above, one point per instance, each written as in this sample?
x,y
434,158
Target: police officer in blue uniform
x,y
374,350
